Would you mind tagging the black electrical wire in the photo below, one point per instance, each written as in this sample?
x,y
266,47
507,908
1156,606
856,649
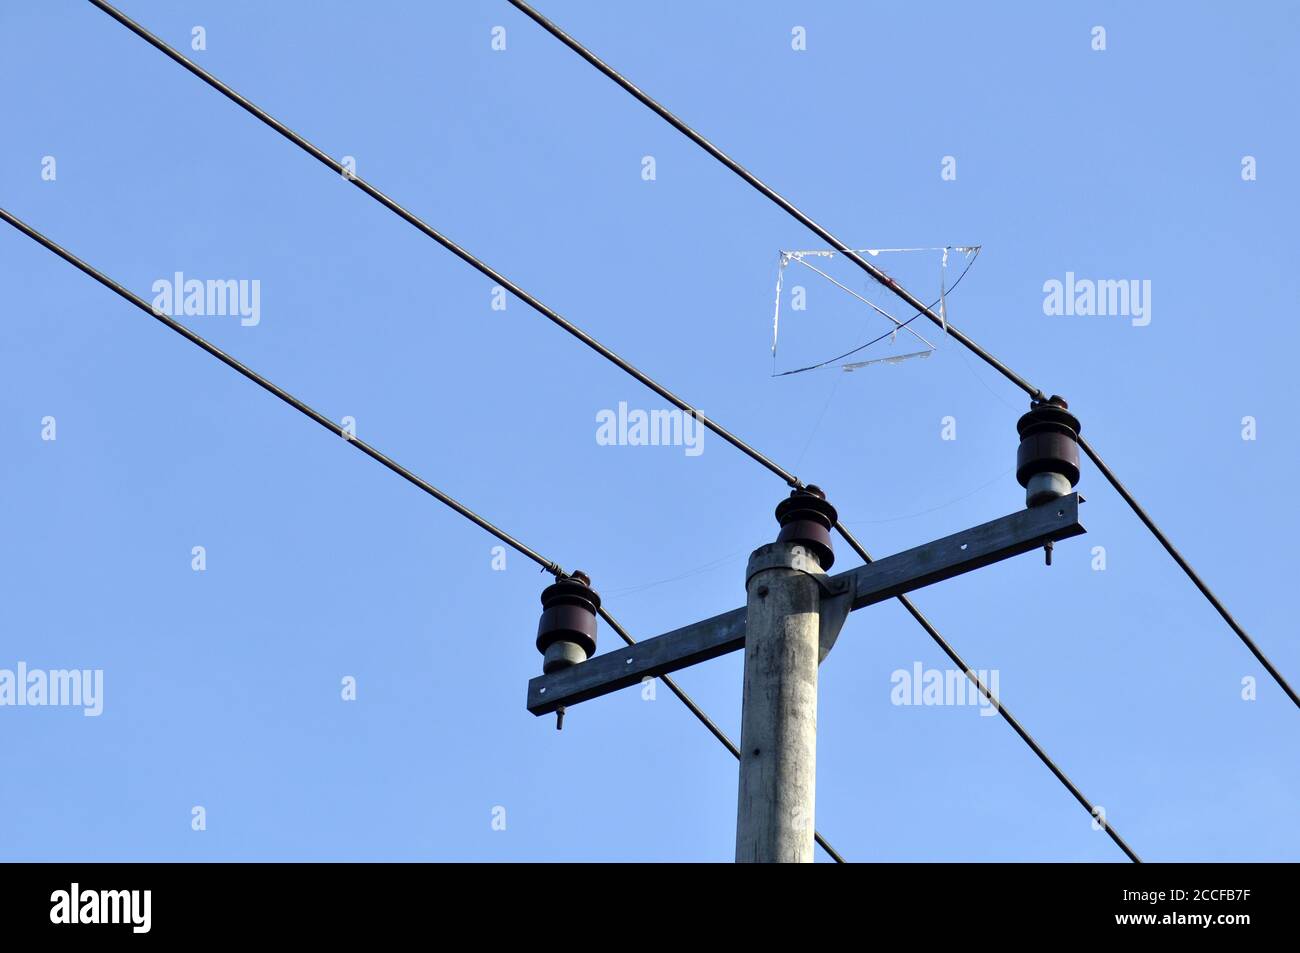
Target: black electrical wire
x,y
914,302
294,402
1136,507
443,240
1010,719
537,305
310,412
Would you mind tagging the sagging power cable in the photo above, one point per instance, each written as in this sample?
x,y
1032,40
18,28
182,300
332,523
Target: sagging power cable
x,y
542,309
473,261
308,411
1035,393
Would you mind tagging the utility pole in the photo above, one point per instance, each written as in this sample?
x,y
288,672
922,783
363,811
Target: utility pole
x,y
778,731
791,618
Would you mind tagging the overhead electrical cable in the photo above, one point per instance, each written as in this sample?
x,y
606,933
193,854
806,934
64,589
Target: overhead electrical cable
x,y
572,329
308,411
1034,392
473,261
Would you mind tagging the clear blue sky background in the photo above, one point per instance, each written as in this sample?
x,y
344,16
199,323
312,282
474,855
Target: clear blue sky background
x,y
223,687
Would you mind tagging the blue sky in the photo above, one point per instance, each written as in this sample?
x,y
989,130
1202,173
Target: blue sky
x,y
222,687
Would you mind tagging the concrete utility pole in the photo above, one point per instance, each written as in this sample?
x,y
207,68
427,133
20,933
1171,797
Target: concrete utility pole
x,y
778,729
793,613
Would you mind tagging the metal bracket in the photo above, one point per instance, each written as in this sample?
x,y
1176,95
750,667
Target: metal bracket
x,y
834,611
1020,532
836,597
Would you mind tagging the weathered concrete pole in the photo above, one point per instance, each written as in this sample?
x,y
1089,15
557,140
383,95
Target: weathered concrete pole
x,y
778,732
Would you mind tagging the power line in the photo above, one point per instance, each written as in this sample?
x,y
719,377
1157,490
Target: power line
x,y
298,405
1186,567
403,472
914,302
465,256
1010,719
538,306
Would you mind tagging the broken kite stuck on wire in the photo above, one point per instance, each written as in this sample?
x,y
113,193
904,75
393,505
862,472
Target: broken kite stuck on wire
x,y
818,261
